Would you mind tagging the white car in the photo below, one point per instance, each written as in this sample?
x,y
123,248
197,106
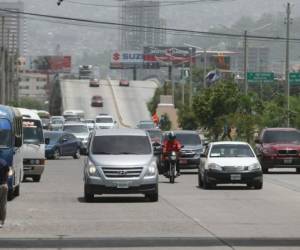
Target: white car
x,y
105,122
229,162
91,123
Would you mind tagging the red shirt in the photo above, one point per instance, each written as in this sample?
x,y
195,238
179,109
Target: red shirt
x,y
170,146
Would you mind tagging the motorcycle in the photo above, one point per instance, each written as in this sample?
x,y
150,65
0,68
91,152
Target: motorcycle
x,y
172,159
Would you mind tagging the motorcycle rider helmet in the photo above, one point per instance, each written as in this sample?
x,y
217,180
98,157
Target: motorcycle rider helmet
x,y
171,136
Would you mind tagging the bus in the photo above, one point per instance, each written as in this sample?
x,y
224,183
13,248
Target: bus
x,y
11,139
85,71
33,145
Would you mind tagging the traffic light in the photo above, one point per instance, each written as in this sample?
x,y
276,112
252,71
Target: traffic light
x,y
59,2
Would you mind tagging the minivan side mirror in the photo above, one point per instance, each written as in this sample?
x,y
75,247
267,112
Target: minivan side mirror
x,y
47,141
18,141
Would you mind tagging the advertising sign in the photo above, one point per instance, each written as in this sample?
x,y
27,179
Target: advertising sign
x,y
50,64
175,55
126,59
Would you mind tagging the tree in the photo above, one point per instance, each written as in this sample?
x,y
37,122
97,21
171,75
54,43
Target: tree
x,y
187,118
29,103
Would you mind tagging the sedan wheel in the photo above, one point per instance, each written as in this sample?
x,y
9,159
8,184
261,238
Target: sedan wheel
x,y
206,184
77,154
56,154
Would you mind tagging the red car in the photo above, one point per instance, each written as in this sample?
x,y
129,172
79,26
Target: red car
x,y
94,82
124,83
279,148
97,101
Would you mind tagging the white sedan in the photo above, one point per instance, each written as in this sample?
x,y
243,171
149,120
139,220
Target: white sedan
x,y
229,162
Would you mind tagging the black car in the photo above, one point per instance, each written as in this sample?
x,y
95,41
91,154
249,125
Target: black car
x,y
62,144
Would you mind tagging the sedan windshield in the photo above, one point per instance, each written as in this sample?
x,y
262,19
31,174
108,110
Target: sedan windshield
x,y
155,134
123,144
76,129
231,150
5,133
188,139
281,137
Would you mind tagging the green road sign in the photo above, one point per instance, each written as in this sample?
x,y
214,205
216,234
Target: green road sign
x,y
294,79
260,77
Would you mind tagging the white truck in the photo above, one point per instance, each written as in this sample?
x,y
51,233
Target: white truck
x,y
33,148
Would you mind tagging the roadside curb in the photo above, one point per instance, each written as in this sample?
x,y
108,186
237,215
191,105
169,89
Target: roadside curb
x,y
116,104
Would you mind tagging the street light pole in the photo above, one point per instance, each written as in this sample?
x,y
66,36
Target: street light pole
x,y
204,68
191,78
287,60
245,62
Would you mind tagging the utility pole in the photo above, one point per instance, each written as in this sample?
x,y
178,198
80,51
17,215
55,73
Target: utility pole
x,y
287,60
204,68
2,89
245,62
191,78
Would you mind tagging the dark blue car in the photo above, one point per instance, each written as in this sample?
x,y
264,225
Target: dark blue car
x,y
61,144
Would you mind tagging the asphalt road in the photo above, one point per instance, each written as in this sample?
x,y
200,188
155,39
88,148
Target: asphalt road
x,y
52,214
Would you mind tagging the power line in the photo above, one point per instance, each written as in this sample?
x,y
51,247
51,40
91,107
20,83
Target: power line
x,y
147,27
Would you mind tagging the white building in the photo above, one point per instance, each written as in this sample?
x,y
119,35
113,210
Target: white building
x,y
33,85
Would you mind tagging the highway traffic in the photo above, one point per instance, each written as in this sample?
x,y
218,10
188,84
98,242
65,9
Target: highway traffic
x,y
54,212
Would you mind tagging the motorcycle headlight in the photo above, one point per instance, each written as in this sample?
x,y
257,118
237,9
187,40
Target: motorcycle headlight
x,y
152,169
92,169
11,172
214,166
255,166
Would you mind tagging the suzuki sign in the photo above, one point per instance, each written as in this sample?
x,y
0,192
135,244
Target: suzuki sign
x,y
127,57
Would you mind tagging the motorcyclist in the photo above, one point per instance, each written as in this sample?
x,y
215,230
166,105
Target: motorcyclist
x,y
171,144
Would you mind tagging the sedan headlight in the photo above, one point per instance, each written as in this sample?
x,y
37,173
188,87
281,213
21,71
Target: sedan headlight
x,y
214,166
92,169
255,166
151,170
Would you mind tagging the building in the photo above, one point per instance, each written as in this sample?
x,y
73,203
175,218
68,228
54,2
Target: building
x,y
12,28
141,13
258,59
34,85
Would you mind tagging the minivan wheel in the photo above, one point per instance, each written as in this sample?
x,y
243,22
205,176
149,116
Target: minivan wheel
x,y
298,170
36,178
200,183
10,195
17,190
265,170
88,197
258,185
153,197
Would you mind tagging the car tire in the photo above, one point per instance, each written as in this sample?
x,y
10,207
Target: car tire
x,y
265,170
77,154
36,178
298,170
10,195
206,183
56,154
200,183
17,190
258,185
153,197
88,197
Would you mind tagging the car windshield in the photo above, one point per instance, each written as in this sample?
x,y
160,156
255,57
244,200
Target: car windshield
x,y
76,129
33,132
121,144
281,137
155,134
104,120
231,150
146,125
188,139
5,133
57,121
89,121
53,137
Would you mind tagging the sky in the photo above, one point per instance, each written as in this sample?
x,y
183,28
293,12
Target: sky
x,y
75,39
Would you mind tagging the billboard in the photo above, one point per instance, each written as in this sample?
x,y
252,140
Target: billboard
x,y
167,55
50,64
126,59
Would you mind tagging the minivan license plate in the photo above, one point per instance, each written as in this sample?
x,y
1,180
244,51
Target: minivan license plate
x,y
235,177
122,185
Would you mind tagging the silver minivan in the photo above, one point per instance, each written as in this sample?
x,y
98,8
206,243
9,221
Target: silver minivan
x,y
120,161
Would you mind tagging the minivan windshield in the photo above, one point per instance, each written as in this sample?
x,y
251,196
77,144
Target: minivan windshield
x,y
231,150
33,132
76,129
121,144
188,139
5,133
104,120
277,136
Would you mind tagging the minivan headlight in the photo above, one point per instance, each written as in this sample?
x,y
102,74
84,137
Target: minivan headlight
x,y
152,169
92,169
214,166
11,172
255,166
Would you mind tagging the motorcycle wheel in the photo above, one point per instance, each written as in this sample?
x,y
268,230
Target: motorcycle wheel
x,y
172,174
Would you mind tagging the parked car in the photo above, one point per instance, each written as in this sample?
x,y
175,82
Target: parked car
x,y
97,101
229,162
105,121
120,161
80,131
94,82
145,124
124,83
91,123
56,123
189,157
279,148
62,144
